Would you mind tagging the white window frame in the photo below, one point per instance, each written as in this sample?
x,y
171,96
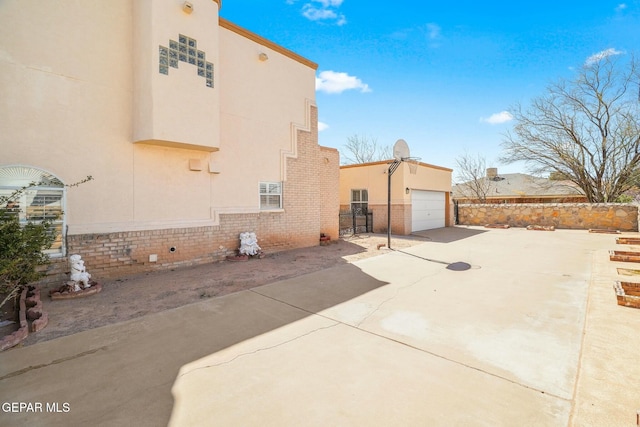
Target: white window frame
x,y
361,192
16,177
269,190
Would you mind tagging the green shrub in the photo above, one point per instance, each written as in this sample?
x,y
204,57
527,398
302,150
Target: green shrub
x,y
22,247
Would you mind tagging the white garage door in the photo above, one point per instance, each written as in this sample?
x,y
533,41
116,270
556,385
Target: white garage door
x,y
427,210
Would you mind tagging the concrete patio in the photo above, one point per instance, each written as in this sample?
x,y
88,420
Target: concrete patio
x,y
530,335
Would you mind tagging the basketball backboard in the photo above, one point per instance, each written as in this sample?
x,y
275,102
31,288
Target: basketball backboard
x,y
401,150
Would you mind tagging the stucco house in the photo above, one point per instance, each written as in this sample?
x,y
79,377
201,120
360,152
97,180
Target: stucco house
x,y
420,195
193,128
517,188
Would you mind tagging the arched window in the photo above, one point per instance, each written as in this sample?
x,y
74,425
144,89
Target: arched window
x,y
42,200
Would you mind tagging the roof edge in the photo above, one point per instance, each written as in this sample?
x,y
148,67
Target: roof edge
x,y
386,162
266,43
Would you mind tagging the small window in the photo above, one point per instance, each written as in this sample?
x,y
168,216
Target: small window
x,y
270,195
359,201
41,202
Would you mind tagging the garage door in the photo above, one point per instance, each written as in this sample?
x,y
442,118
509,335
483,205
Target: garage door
x,y
427,210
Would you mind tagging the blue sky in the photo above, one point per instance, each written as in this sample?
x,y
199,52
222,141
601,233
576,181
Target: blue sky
x,y
439,75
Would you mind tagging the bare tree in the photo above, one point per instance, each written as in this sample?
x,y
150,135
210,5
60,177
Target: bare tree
x,y
362,149
587,130
472,181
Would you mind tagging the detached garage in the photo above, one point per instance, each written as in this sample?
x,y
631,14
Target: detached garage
x,y
419,195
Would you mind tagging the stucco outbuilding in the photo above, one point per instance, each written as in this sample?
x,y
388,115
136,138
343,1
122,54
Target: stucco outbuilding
x,y
420,195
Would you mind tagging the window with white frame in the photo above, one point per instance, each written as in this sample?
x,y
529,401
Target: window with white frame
x,y
270,195
39,202
359,200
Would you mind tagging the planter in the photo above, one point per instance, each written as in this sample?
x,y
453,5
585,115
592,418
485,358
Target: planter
x,y
65,292
541,227
238,258
603,231
625,299
628,240
31,317
625,256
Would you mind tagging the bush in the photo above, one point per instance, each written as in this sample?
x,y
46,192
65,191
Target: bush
x,y
22,247
624,198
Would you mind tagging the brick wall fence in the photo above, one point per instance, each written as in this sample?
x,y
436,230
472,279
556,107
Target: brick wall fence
x,y
310,199
610,216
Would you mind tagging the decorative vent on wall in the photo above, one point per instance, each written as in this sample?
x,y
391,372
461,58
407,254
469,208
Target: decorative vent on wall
x,y
185,50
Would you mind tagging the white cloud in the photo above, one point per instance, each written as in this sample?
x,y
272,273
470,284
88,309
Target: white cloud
x,y
329,3
433,33
322,126
314,14
324,10
335,82
621,7
601,55
498,118
433,30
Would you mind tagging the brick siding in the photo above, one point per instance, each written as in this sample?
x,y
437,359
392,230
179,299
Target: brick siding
x,y
310,207
400,218
329,191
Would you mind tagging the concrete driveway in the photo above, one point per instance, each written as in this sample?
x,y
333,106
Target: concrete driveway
x,y
529,335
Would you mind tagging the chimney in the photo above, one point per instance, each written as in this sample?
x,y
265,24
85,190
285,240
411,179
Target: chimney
x,y
492,173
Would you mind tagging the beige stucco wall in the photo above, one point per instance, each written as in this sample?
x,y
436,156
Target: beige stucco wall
x,y
75,81
177,109
66,104
175,163
374,178
255,96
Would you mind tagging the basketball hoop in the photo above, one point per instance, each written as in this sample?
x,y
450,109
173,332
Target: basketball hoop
x,y
413,164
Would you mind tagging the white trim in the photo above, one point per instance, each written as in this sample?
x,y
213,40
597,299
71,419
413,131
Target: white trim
x,y
295,127
117,227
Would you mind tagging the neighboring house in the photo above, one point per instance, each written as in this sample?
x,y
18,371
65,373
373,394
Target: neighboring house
x,y
419,195
193,129
517,188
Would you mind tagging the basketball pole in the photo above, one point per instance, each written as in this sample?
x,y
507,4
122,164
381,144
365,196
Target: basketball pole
x,y
400,154
392,168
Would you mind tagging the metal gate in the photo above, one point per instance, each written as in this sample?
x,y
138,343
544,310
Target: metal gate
x,y
355,221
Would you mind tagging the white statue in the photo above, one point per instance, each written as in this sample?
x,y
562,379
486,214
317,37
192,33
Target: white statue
x,y
249,244
79,273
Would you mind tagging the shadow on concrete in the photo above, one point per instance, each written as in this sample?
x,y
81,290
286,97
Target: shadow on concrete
x,y
448,234
264,309
123,373
134,296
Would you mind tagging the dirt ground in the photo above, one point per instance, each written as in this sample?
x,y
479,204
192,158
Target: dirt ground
x,y
138,295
